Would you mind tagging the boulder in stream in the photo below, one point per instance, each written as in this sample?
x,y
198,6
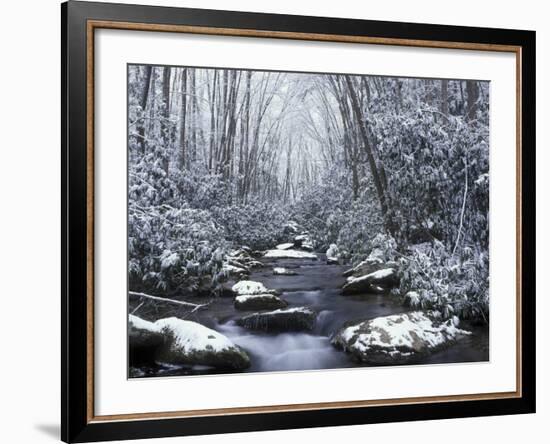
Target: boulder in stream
x,y
373,282
259,302
231,270
374,262
281,271
285,246
303,242
290,319
397,339
190,343
238,263
289,254
332,254
144,339
249,287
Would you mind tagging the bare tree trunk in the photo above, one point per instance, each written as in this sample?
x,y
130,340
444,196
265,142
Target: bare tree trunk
x,y
472,91
245,136
183,141
165,127
370,156
445,97
212,100
194,120
143,104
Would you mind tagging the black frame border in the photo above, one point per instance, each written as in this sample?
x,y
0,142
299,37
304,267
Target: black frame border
x,y
75,426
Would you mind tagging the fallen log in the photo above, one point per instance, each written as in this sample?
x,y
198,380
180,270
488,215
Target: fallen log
x,y
194,307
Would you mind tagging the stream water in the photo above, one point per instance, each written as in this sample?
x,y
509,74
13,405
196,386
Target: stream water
x,y
317,285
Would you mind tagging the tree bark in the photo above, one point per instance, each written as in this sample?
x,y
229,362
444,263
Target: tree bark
x,y
143,104
183,141
472,91
165,128
445,97
368,149
194,307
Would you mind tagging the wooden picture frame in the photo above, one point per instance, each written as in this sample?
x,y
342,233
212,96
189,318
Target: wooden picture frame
x,y
79,22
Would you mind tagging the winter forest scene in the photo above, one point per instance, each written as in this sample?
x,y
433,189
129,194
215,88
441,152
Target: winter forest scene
x,y
283,221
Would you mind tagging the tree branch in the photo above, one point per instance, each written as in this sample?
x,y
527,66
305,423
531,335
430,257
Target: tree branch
x,y
463,204
195,307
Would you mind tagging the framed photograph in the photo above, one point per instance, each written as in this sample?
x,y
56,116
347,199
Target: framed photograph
x,y
275,221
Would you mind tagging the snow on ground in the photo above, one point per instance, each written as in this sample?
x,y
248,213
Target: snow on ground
x,y
285,246
190,336
142,324
304,241
289,254
249,287
380,274
283,271
290,310
233,269
247,297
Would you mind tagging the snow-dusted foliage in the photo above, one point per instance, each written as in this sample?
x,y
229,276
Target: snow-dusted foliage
x,y
171,248
453,284
220,159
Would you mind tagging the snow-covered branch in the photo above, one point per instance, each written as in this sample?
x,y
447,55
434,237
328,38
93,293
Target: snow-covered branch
x,y
192,306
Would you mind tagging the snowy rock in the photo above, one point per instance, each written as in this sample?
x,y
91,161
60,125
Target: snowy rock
x,y
397,339
225,290
249,287
240,253
144,338
259,302
372,263
238,263
290,319
303,241
332,254
281,271
190,343
285,246
384,278
234,271
289,254
291,227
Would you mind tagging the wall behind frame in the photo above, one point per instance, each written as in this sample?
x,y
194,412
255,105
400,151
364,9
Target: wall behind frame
x,y
29,189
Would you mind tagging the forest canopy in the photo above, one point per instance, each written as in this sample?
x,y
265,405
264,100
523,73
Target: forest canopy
x,y
225,158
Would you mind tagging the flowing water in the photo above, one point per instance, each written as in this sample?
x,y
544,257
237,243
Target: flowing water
x,y
317,286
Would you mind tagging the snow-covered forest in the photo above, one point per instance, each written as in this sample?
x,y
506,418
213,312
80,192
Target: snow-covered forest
x,y
241,179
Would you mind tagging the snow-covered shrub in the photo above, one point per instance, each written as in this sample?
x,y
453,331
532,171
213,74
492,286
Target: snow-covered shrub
x,y
361,225
454,285
433,166
256,224
171,249
329,212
